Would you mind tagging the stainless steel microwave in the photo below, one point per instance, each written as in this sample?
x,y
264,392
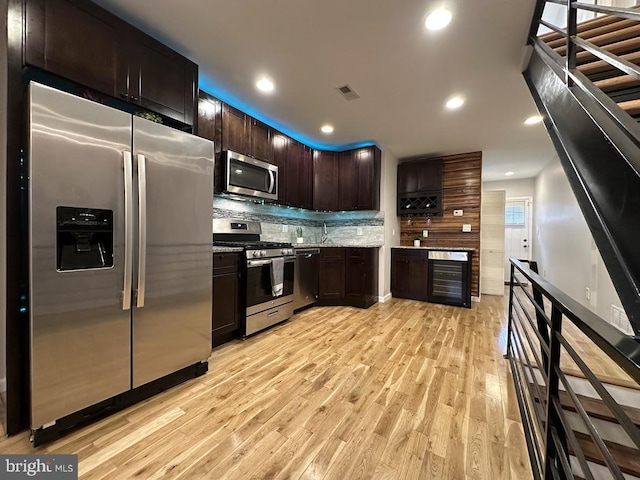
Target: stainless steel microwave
x,y
247,176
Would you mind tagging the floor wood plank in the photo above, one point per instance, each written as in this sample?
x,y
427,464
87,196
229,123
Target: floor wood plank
x,y
402,390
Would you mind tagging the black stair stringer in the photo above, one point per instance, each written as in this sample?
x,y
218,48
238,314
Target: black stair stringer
x,y
597,157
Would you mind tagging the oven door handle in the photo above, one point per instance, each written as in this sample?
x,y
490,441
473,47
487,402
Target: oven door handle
x,y
260,263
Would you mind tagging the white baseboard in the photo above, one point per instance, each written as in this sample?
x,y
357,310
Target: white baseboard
x,y
3,384
475,299
386,298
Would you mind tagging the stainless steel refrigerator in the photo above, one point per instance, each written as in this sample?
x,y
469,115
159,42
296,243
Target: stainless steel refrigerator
x,y
121,260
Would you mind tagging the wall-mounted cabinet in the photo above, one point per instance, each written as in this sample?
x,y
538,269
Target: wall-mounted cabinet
x,y
235,130
325,180
420,187
359,179
84,43
299,188
311,179
245,135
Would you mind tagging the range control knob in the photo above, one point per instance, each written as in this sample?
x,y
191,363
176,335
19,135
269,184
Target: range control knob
x,y
256,253
263,253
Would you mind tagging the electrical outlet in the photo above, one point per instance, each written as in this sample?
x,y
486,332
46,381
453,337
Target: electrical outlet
x,y
425,233
458,213
358,230
285,228
466,227
587,293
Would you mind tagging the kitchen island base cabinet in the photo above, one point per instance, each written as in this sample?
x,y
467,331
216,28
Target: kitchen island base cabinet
x,y
348,276
409,274
227,308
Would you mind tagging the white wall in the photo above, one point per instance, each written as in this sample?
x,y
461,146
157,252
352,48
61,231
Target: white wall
x,y
523,187
388,185
3,169
563,245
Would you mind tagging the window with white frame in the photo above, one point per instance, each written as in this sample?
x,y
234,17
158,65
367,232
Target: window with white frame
x,y
514,215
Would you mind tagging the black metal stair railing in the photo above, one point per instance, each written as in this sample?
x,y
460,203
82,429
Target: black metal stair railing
x,y
597,141
537,349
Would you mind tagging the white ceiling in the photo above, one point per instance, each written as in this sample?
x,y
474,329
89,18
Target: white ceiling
x,y
403,72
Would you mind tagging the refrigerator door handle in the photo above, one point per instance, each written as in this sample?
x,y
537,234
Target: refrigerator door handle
x,y
142,229
128,230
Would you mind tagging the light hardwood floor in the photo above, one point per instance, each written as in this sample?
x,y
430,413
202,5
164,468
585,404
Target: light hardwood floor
x,y
402,390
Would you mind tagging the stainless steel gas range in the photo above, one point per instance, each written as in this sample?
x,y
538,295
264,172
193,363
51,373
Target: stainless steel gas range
x,y
268,273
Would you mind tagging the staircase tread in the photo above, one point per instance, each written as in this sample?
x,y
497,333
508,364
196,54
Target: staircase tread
x,y
626,457
597,408
585,26
600,66
632,107
609,38
588,34
617,83
623,46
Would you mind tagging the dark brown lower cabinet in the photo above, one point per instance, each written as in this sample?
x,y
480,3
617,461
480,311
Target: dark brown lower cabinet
x,y
409,274
227,305
362,277
348,276
331,280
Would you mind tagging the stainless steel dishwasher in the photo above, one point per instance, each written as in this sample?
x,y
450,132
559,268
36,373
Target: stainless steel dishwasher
x,y
305,284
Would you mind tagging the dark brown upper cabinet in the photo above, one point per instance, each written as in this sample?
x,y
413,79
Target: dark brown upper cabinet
x,y
299,187
348,180
260,140
245,135
86,44
279,147
420,175
210,127
325,181
359,182
420,187
76,40
158,79
235,130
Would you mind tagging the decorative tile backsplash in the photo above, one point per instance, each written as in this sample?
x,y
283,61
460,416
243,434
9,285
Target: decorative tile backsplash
x,y
342,227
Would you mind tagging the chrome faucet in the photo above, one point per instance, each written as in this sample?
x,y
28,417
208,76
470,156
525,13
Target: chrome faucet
x,y
325,236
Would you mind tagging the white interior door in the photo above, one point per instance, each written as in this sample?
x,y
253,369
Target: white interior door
x,y
517,232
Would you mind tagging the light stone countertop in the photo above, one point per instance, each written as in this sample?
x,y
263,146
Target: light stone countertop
x,y
336,245
227,249
445,249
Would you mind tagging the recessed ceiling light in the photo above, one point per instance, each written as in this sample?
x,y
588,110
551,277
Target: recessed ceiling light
x,y
438,19
455,102
265,85
326,129
508,174
533,120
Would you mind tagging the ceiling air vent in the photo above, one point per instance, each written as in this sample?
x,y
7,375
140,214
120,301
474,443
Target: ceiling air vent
x,y
347,92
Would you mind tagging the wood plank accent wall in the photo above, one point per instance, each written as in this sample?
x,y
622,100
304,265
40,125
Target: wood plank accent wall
x,y
462,190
